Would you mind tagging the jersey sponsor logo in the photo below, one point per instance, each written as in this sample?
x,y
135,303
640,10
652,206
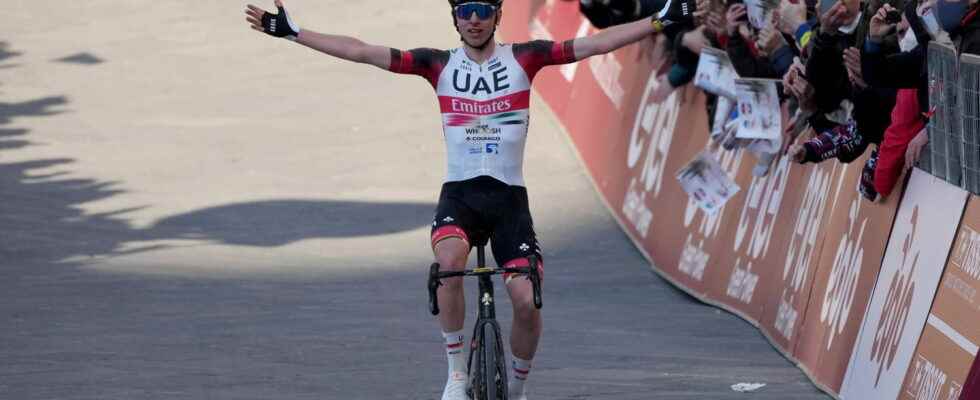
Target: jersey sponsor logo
x,y
513,102
484,129
466,84
492,148
460,105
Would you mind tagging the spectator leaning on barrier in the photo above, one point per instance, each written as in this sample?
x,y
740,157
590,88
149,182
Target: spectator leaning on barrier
x,y
833,68
850,114
906,71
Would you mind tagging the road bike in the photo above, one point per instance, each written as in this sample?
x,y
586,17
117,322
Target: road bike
x,y
487,370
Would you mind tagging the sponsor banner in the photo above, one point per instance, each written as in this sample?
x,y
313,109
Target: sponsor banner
x,y
637,181
740,276
929,376
949,342
844,277
920,242
798,239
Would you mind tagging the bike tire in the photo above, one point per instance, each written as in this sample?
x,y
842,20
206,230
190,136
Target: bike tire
x,y
494,375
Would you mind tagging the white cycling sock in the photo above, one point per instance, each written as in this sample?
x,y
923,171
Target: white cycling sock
x,y
521,368
454,352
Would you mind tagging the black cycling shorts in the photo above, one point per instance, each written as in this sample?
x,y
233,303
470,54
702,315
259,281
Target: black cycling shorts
x,y
484,208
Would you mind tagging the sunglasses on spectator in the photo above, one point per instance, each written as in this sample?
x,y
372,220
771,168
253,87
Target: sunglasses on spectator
x,y
483,10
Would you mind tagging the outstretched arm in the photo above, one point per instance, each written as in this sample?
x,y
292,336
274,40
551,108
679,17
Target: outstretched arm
x,y
344,47
347,48
612,38
673,16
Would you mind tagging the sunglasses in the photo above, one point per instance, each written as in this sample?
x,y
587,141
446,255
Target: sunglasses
x,y
483,10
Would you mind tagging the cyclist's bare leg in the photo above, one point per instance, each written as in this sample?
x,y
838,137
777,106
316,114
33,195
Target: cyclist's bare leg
x,y
526,329
451,254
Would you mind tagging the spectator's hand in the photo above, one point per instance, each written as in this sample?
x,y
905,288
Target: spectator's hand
x,y
924,7
733,18
701,14
792,14
716,21
915,148
852,62
278,25
796,85
770,40
877,27
834,18
796,153
695,40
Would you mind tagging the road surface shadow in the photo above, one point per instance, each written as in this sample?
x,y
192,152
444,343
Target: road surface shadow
x,y
280,222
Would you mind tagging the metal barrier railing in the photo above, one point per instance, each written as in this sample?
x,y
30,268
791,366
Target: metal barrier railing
x,y
970,95
953,152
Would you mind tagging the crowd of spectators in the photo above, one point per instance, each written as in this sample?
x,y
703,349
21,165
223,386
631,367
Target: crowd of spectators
x,y
852,74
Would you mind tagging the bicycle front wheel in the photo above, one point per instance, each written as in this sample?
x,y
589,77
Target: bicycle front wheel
x,y
494,374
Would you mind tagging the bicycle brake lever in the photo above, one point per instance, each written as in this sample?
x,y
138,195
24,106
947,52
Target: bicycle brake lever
x,y
433,285
535,276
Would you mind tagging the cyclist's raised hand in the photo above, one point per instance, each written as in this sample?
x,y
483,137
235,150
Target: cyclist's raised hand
x,y
278,25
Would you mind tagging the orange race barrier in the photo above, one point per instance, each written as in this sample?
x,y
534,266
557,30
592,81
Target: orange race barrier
x,y
797,253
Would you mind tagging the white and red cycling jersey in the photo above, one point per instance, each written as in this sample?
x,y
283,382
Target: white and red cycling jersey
x,y
484,106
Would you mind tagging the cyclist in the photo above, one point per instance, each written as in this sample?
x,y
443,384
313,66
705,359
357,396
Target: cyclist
x,y
483,89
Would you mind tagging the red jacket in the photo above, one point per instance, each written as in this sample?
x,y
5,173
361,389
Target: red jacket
x,y
907,121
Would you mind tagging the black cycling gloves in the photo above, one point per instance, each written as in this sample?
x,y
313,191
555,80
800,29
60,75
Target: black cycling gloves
x,y
280,25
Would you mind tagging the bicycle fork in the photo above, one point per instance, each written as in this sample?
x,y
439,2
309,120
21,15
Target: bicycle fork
x,y
487,319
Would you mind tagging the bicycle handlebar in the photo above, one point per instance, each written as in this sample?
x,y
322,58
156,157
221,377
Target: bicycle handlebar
x,y
435,277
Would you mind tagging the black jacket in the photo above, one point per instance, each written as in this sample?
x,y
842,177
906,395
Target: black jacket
x,y
900,70
967,35
826,73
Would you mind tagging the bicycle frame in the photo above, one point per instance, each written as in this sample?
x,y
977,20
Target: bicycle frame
x,y
487,317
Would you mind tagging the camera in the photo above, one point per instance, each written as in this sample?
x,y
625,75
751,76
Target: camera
x,y
893,17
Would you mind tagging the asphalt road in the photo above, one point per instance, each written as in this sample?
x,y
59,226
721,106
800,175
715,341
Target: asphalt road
x,y
192,210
